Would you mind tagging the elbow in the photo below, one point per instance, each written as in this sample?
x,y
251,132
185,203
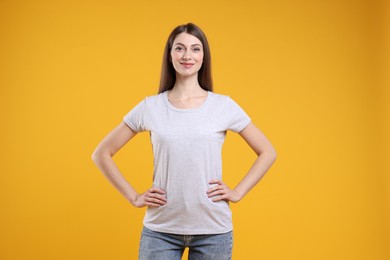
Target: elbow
x,y
97,155
273,155
100,154
270,154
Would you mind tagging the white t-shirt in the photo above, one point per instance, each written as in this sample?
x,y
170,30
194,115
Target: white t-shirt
x,y
187,146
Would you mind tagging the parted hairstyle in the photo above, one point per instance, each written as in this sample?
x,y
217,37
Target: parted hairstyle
x,y
168,73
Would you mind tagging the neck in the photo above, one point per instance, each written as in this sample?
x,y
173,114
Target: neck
x,y
187,86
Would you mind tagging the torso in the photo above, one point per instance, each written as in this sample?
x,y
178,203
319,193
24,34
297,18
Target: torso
x,y
187,139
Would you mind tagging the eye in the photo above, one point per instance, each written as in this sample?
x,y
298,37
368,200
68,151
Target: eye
x,y
196,49
178,48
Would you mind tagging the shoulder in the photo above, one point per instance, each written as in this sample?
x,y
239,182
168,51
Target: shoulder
x,y
226,103
218,97
153,100
148,103
222,99
154,97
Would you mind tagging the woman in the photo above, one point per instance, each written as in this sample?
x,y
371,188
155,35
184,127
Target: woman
x,y
188,203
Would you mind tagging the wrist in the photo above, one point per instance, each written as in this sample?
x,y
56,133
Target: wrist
x,y
239,195
133,199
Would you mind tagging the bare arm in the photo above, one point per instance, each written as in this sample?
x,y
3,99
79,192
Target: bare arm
x,y
266,157
102,156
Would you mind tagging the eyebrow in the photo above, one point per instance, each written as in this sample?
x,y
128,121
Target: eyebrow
x,y
191,44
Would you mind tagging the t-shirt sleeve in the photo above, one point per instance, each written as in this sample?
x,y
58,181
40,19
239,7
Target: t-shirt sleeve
x,y
135,118
237,117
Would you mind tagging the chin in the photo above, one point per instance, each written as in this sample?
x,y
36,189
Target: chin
x,y
187,73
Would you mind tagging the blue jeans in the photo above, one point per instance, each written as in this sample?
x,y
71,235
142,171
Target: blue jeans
x,y
163,246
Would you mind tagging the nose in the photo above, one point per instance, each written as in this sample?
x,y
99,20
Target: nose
x,y
185,56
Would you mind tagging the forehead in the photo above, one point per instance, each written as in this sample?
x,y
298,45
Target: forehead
x,y
186,39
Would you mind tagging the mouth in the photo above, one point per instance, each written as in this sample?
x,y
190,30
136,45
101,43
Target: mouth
x,y
187,65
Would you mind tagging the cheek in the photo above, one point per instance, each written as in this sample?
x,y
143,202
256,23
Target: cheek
x,y
176,57
199,57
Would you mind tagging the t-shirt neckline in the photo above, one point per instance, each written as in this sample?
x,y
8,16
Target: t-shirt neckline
x,y
165,95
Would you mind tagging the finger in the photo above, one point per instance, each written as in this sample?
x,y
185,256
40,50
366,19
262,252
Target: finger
x,y
217,193
225,197
215,181
156,196
212,189
156,190
216,187
219,198
155,201
153,205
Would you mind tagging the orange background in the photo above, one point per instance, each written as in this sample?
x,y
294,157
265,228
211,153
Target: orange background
x,y
313,76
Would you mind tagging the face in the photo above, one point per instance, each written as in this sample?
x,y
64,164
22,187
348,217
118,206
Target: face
x,y
187,54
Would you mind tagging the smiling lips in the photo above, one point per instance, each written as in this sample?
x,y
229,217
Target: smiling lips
x,y
187,65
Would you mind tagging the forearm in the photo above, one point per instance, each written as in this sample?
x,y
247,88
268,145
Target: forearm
x,y
110,170
261,165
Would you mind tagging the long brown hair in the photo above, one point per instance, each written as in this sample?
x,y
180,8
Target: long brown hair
x,y
168,73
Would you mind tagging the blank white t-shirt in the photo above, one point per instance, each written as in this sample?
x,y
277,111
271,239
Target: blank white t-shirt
x,y
187,146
